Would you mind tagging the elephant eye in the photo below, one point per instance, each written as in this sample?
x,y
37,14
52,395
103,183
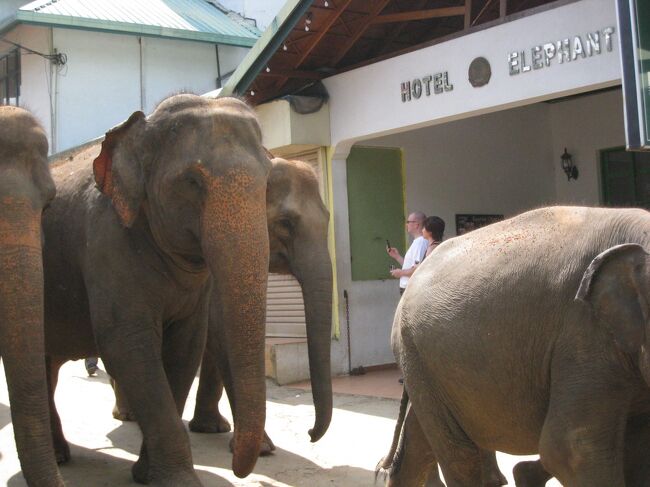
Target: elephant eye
x,y
286,223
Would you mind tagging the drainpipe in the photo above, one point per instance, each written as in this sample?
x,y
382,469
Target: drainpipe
x,y
54,74
219,83
142,89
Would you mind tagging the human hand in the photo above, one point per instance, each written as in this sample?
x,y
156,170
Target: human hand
x,y
394,253
396,273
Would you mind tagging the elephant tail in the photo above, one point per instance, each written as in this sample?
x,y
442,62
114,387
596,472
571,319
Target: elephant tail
x,y
390,463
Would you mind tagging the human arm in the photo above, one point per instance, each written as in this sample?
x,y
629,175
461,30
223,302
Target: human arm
x,y
397,273
394,253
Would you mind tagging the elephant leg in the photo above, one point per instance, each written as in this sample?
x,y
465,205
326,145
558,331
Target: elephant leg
x,y
582,439
492,476
414,463
131,349
61,447
637,445
530,474
121,409
207,418
459,457
181,353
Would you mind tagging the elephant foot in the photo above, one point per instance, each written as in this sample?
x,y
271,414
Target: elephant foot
x,y
140,470
266,449
530,474
61,450
123,414
178,479
209,423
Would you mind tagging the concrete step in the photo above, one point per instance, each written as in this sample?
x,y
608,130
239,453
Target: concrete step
x,y
286,360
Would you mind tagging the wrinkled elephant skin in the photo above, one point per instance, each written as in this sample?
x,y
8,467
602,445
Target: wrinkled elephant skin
x,y
531,335
25,188
150,213
298,225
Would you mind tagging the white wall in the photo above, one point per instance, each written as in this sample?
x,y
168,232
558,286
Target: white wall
x,y
366,102
585,126
99,86
172,65
109,76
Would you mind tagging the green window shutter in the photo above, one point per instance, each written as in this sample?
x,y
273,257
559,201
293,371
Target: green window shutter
x,y
376,210
625,178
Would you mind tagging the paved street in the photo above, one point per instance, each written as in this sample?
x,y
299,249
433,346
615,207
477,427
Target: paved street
x,y
103,449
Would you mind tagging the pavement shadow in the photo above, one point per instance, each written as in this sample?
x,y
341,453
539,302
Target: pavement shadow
x,y
89,467
5,415
296,469
373,406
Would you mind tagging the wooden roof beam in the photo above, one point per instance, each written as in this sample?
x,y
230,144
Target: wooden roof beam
x,y
322,31
420,15
286,74
377,8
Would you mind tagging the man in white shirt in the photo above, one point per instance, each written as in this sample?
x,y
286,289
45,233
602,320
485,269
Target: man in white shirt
x,y
414,254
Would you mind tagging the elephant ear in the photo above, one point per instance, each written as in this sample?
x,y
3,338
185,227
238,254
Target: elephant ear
x,y
615,287
118,171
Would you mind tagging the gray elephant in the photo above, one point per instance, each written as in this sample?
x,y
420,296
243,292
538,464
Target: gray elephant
x,y
26,187
297,227
138,227
531,335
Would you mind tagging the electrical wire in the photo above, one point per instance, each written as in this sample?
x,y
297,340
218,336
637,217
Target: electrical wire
x,y
59,59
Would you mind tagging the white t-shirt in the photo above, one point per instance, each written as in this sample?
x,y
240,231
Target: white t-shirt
x,y
415,253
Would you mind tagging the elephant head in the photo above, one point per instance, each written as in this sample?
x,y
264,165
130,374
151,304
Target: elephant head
x,y
26,187
197,171
298,223
616,285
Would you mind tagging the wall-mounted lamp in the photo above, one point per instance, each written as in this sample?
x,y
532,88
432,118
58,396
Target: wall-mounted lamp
x,y
569,168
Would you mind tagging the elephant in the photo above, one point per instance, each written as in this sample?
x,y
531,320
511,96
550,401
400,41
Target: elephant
x,y
531,336
26,187
297,226
141,221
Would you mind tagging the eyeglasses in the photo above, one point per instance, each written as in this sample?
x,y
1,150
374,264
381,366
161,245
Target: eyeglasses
x,y
412,221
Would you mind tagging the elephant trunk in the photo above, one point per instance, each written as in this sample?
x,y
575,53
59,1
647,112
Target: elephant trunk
x,y
314,273
235,244
22,343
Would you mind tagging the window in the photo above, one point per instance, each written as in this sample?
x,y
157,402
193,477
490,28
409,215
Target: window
x,y
626,178
10,78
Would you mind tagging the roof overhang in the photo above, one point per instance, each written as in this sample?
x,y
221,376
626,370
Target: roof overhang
x,y
266,46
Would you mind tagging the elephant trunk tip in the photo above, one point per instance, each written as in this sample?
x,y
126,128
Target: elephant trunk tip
x,y
245,454
319,429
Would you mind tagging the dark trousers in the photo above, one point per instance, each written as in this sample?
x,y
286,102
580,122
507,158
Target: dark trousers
x,y
401,290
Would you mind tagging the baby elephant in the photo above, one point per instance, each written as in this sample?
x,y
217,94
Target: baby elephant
x,y
532,335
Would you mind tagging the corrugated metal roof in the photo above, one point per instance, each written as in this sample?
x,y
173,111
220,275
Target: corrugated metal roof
x,y
181,19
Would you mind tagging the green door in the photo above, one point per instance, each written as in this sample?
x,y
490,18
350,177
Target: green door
x,y
376,210
626,178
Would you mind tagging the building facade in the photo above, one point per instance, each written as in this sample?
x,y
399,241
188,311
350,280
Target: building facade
x,y
471,129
